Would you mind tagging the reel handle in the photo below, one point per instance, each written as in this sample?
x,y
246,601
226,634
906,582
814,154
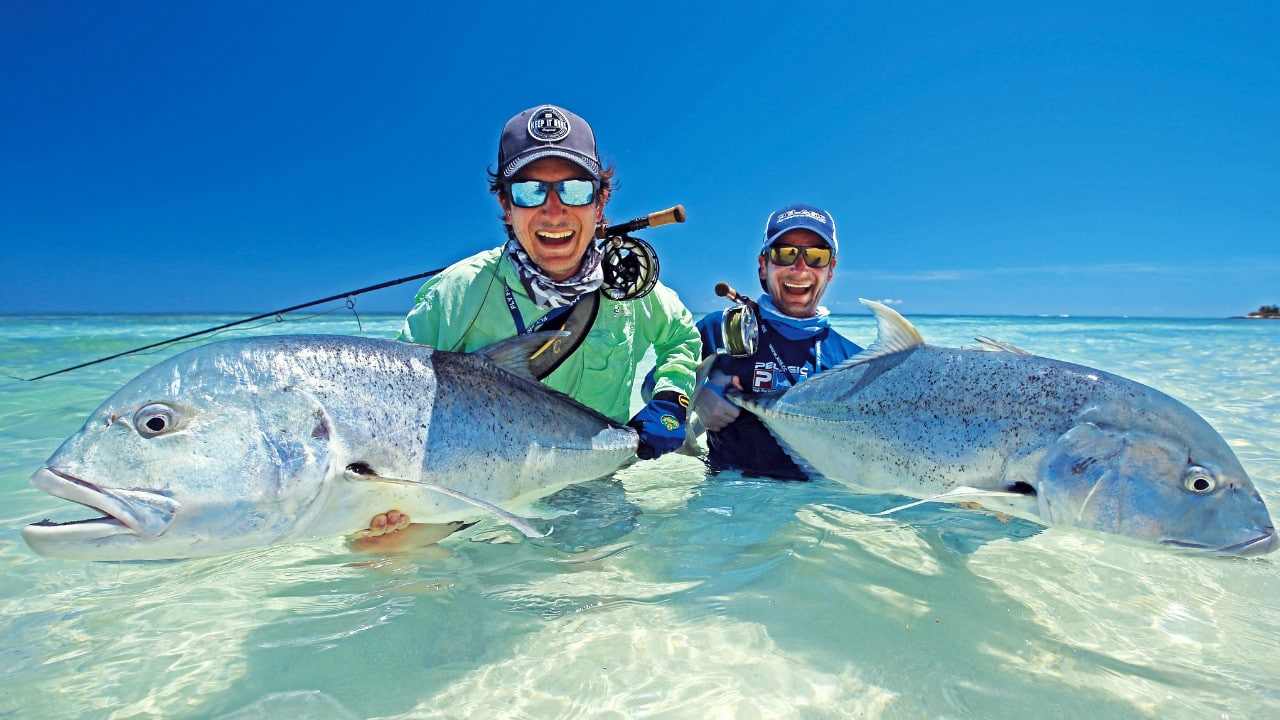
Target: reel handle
x,y
654,219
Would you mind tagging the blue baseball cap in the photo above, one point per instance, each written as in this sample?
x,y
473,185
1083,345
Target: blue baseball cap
x,y
547,131
800,217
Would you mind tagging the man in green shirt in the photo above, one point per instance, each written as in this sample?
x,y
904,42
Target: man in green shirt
x,y
552,189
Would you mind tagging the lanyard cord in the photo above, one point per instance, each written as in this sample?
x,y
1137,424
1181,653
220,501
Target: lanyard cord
x,y
518,318
777,358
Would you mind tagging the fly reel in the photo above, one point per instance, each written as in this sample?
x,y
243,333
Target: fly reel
x,y
630,267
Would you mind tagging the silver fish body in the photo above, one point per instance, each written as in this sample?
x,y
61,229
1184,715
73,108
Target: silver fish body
x,y
1082,447
251,442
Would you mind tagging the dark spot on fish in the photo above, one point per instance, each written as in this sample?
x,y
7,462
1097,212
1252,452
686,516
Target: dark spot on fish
x,y
361,468
1083,464
321,430
1021,488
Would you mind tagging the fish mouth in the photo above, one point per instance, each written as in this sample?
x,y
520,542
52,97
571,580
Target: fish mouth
x,y
144,513
1260,545
1264,543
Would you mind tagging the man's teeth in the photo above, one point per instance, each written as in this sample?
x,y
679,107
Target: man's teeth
x,y
796,288
555,235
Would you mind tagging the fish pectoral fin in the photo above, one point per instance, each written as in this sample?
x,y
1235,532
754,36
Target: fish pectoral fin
x,y
363,472
515,354
959,494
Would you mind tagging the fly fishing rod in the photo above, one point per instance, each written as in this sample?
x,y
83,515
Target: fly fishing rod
x,y
263,316
628,269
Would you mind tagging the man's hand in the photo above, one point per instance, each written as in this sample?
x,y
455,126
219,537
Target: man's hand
x,y
709,402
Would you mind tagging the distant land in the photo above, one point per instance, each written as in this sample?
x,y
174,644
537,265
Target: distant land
x,y
1266,312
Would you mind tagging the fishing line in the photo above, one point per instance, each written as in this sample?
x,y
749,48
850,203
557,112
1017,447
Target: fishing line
x,y
277,314
350,304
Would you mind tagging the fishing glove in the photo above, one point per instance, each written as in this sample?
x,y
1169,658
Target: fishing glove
x,y
709,402
661,424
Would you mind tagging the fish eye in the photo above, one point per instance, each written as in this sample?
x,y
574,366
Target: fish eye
x,y
155,419
1199,481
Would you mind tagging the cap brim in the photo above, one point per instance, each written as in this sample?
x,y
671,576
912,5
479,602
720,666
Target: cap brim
x,y
820,230
516,165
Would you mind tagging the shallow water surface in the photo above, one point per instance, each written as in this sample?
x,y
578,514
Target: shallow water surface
x,y
663,593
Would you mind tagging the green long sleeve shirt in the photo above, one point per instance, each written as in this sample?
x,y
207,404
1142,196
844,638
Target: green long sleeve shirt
x,y
465,308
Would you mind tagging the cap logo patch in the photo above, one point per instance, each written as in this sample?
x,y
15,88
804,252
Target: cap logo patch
x,y
788,215
548,124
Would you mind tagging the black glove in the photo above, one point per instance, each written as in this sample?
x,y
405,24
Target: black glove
x,y
661,424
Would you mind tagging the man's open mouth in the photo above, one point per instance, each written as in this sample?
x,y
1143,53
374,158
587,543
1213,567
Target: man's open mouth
x,y
555,237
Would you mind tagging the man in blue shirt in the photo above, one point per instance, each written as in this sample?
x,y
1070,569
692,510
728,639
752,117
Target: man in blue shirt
x,y
796,341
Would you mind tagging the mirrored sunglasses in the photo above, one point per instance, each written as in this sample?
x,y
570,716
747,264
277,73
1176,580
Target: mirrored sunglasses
x,y
533,193
786,255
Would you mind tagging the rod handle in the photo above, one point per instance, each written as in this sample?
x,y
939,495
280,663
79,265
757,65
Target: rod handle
x,y
666,217
654,219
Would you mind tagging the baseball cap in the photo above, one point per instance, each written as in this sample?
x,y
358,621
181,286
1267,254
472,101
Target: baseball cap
x,y
547,131
800,217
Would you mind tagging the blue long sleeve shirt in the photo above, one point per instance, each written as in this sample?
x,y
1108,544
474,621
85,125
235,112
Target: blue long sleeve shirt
x,y
789,351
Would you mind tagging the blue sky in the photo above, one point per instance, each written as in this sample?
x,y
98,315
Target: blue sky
x,y
979,158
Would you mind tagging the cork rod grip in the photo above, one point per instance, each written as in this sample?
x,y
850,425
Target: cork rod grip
x,y
666,217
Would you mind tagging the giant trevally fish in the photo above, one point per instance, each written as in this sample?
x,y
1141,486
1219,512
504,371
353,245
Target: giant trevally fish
x,y
1060,443
250,442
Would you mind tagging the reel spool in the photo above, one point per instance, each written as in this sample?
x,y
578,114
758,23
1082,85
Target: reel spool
x,y
739,332
630,267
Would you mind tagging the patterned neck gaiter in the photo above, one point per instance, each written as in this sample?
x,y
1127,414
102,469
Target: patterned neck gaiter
x,y
548,293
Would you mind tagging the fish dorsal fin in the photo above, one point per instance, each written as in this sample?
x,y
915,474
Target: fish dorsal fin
x,y
1000,345
893,334
515,354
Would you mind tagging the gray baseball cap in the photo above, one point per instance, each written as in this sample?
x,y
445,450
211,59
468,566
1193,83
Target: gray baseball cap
x,y
547,131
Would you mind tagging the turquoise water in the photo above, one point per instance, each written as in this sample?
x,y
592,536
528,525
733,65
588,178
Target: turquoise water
x,y
735,599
